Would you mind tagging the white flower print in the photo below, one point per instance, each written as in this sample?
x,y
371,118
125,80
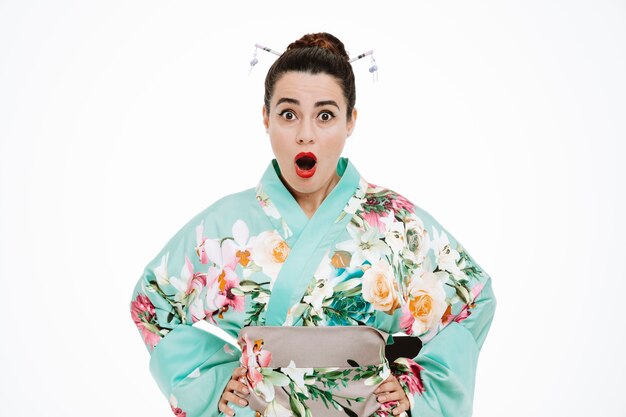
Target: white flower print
x,y
187,283
324,270
380,287
274,409
265,388
427,301
417,241
321,291
197,309
161,271
269,251
364,246
297,375
446,255
241,245
214,300
270,210
394,233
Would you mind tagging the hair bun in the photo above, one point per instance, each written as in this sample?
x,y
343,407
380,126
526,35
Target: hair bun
x,y
321,40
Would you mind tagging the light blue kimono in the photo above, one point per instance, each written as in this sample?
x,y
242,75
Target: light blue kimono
x,y
368,256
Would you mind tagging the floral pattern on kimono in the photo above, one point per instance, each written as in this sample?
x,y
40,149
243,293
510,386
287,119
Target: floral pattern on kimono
x,y
393,267
304,383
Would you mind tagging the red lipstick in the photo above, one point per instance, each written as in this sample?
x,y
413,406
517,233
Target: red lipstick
x,y
305,163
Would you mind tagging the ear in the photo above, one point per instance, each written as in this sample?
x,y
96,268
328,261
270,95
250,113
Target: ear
x,y
266,118
352,121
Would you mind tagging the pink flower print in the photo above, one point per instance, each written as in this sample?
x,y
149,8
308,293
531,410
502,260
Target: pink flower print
x,y
375,206
237,302
215,300
373,219
210,250
380,202
254,357
200,248
408,373
228,349
406,320
178,412
221,277
386,409
400,203
476,290
465,311
144,316
447,316
223,255
188,281
197,310
413,380
219,296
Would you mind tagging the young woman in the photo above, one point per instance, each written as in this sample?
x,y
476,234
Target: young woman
x,y
313,244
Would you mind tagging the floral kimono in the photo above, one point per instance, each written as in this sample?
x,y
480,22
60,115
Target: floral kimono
x,y
368,256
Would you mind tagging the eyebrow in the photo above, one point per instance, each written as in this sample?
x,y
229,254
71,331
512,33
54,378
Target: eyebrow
x,y
317,104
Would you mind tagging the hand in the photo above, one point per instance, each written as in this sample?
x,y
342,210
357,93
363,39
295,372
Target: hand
x,y
391,390
235,392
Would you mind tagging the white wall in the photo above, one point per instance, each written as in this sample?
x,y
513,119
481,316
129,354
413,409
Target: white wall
x,y
120,120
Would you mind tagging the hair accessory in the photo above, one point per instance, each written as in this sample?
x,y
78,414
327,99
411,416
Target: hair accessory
x,y
373,68
255,60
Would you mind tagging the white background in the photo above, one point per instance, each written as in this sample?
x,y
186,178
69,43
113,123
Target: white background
x,y
120,120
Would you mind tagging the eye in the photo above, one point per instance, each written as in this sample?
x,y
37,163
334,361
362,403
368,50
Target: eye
x,y
287,114
326,116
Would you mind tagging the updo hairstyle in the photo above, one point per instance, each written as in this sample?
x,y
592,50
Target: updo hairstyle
x,y
315,53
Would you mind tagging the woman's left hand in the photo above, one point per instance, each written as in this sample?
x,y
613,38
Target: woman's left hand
x,y
390,390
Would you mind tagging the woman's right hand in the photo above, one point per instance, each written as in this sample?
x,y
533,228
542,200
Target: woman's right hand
x,y
235,392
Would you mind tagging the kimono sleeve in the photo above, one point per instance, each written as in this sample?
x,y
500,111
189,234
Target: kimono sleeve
x,y
190,366
439,381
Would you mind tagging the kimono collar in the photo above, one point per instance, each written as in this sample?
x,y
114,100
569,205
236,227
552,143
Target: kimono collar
x,y
272,194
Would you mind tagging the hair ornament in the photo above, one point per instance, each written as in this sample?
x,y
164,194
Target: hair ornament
x,y
373,67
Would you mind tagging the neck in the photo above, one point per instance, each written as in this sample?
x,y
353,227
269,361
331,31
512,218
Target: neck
x,y
310,202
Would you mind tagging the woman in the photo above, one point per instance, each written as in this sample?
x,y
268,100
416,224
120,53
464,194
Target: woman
x,y
281,254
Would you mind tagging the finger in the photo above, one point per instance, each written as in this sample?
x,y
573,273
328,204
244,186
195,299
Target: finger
x,y
235,399
392,396
385,387
397,411
239,372
234,385
406,406
242,388
226,409
397,393
403,406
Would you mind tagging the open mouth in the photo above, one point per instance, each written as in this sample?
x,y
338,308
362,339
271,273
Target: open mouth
x,y
305,163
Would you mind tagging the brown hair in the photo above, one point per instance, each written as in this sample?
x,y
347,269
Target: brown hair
x,y
315,53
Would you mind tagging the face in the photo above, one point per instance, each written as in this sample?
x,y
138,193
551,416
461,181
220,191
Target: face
x,y
308,128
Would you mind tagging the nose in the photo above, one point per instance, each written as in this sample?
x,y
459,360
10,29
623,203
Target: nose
x,y
302,141
305,133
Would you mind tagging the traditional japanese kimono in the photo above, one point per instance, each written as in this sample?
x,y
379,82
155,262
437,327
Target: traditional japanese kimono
x,y
367,257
